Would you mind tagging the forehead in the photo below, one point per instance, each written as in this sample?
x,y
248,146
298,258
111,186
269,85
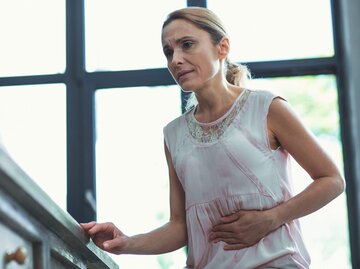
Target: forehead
x,y
180,28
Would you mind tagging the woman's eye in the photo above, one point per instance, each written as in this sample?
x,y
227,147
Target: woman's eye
x,y
167,53
187,44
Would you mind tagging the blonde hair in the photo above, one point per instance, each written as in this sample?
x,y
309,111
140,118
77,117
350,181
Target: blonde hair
x,y
205,19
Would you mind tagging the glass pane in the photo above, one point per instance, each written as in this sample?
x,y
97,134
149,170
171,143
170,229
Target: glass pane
x,y
314,98
124,35
262,30
32,37
132,174
33,130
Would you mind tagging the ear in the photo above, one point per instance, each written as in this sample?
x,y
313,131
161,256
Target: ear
x,y
224,48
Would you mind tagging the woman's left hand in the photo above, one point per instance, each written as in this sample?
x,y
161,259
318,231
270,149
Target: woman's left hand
x,y
243,228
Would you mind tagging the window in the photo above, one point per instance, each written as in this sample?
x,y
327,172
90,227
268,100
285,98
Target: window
x,y
39,89
263,30
33,130
132,174
32,37
112,45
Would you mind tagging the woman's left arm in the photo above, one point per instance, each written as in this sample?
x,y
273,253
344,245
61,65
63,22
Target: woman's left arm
x,y
286,127
246,228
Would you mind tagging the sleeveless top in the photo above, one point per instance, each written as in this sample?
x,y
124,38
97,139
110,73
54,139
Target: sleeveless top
x,y
228,165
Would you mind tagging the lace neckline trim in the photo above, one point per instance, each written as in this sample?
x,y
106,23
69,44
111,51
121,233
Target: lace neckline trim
x,y
212,131
222,117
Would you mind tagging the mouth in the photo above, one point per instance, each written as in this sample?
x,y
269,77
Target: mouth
x,y
182,73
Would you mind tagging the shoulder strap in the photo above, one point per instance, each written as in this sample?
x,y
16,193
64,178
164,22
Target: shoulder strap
x,y
255,118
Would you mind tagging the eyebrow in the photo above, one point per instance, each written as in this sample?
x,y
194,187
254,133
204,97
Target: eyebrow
x,y
177,41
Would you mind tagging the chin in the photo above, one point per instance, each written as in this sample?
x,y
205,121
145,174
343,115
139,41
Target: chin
x,y
187,87
186,90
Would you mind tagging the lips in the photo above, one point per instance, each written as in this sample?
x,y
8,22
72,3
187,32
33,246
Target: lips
x,y
182,73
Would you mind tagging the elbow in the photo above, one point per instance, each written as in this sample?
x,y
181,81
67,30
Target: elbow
x,y
180,232
339,184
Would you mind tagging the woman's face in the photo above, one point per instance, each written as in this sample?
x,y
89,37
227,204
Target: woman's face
x,y
192,57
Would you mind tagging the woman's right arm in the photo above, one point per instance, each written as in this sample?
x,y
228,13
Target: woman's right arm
x,y
166,238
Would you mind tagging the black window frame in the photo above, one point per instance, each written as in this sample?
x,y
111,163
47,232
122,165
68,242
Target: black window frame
x,y
81,86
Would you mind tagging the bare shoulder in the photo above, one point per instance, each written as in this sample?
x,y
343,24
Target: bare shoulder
x,y
282,115
279,106
286,127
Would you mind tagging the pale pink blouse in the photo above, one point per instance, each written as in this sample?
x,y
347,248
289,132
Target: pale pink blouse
x,y
228,165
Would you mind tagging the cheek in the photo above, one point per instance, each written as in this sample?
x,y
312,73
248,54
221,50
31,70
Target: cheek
x,y
210,68
208,63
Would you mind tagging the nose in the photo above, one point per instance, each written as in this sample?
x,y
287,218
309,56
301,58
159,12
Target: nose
x,y
177,58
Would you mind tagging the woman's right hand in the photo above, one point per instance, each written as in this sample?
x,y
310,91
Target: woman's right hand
x,y
106,236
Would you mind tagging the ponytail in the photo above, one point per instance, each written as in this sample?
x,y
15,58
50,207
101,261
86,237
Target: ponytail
x,y
236,74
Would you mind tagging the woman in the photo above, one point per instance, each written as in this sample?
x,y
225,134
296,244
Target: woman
x,y
231,200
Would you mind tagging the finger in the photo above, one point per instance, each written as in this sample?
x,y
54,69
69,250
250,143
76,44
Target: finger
x,y
234,247
112,245
232,241
222,227
98,227
219,236
230,218
87,226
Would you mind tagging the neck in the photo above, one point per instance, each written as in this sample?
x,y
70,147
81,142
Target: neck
x,y
214,101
